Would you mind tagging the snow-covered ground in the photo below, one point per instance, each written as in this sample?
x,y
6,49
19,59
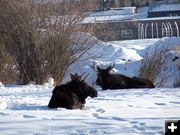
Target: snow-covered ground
x,y
23,109
133,112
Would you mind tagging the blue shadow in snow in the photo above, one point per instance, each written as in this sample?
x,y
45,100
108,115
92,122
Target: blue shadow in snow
x,y
27,107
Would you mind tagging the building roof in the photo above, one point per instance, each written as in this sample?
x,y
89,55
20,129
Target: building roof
x,y
115,11
124,13
104,20
166,7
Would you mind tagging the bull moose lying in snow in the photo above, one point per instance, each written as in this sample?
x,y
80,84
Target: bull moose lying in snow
x,y
72,95
119,81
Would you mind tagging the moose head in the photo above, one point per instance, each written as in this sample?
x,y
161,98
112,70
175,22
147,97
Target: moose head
x,y
81,88
72,94
102,74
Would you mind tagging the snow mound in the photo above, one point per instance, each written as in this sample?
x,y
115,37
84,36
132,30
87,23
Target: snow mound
x,y
1,85
127,56
171,57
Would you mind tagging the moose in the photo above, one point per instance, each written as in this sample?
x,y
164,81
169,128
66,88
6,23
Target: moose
x,y
72,95
118,81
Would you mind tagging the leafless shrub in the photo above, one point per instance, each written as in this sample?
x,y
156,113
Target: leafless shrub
x,y
177,82
105,32
7,72
43,38
152,67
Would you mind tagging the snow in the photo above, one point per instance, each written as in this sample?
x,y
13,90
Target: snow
x,y
134,111
1,85
127,56
93,19
23,109
115,11
126,13
119,18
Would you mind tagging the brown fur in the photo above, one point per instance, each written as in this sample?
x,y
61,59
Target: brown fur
x,y
119,81
71,95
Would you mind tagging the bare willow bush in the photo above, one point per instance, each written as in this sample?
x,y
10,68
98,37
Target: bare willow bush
x,y
43,38
7,72
151,66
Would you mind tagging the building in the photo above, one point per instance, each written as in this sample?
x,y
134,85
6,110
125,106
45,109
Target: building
x,y
164,9
134,29
96,5
124,23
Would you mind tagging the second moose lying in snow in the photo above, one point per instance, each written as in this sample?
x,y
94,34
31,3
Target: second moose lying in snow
x,y
119,81
72,95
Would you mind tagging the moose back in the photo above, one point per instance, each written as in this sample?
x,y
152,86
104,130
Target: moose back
x,y
118,81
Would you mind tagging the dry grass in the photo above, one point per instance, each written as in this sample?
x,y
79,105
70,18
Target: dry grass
x,y
152,65
7,72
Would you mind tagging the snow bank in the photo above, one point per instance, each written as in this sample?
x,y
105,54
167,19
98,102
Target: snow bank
x,y
1,85
127,56
170,68
104,55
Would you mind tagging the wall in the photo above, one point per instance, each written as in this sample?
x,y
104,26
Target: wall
x,y
140,29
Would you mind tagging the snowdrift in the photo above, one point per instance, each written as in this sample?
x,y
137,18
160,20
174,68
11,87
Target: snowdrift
x,y
127,56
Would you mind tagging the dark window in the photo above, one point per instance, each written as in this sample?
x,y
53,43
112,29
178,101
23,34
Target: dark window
x,y
126,33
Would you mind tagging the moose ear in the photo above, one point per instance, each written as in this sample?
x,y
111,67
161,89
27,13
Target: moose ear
x,y
76,76
72,76
94,67
98,68
110,67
